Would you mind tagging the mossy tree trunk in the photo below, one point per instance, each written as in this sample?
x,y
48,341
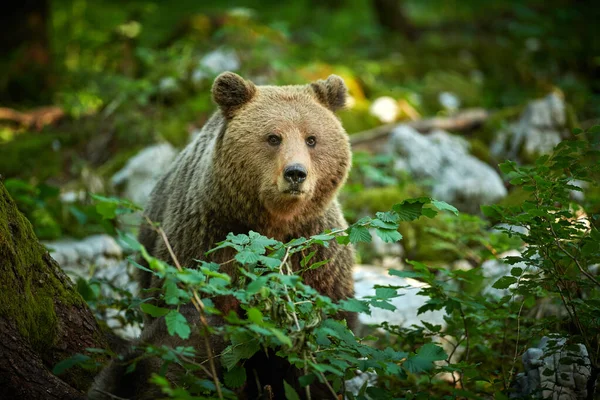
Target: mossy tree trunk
x,y
43,320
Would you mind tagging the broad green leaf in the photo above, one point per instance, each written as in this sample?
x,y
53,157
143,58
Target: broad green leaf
x,y
290,393
247,257
385,293
281,337
77,359
504,282
235,377
255,316
423,360
409,210
443,206
389,216
359,234
383,304
153,310
355,305
389,235
177,324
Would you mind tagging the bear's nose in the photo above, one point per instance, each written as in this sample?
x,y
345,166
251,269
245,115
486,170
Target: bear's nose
x,y
295,173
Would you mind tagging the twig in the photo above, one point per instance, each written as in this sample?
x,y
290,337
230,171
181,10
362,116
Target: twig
x,y
518,337
463,121
197,304
112,396
583,271
287,295
335,396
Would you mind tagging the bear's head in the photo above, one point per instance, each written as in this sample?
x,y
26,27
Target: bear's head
x,y
283,145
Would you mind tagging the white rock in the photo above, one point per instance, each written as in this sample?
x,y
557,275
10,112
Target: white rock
x,y
140,174
449,101
385,108
539,129
355,384
366,277
80,255
496,268
566,382
214,63
456,176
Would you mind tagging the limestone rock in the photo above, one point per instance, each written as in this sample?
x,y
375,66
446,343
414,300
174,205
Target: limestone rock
x,y
443,159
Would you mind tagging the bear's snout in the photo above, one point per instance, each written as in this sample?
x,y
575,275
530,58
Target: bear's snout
x,y
295,173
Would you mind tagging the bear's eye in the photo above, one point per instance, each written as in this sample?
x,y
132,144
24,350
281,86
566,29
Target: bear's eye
x,y
274,140
311,141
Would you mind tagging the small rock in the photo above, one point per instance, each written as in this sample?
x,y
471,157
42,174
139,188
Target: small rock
x,y
556,379
141,173
449,101
366,277
456,176
214,63
540,128
355,384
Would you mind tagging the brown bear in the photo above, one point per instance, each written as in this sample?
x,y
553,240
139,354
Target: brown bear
x,y
270,160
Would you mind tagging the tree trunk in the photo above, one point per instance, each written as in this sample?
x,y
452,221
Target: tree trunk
x,y
391,16
43,320
24,50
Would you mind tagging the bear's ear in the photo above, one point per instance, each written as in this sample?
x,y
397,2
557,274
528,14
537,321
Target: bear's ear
x,y
331,92
230,91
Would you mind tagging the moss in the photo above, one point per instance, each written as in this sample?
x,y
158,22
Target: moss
x,y
497,121
481,151
115,163
358,119
515,197
371,200
28,289
16,158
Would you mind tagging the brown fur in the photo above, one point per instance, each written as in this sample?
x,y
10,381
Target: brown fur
x,y
230,179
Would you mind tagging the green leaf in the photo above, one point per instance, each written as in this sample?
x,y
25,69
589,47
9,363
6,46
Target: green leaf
x,y
377,223
389,235
385,293
318,264
504,282
281,337
383,304
359,234
516,271
323,237
255,316
270,261
254,286
247,257
355,305
423,360
77,359
507,167
235,377
409,210
154,311
443,206
177,324
389,216
290,393
305,260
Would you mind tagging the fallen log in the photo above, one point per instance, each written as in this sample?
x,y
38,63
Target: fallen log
x,y
463,121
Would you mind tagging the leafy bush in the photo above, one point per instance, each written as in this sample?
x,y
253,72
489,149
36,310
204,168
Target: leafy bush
x,y
555,292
